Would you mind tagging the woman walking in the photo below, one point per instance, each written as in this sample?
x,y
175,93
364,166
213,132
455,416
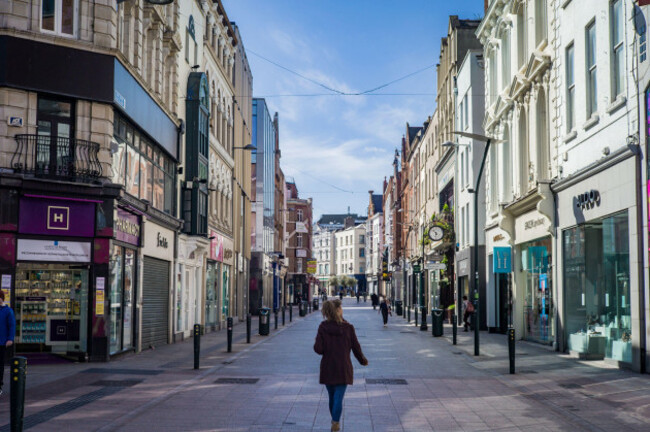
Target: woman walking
x,y
334,341
384,308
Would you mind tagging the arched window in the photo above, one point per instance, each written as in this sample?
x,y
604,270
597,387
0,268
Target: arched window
x,y
523,152
543,156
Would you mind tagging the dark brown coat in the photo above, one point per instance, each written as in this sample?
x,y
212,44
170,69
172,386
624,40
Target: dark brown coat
x,y
334,342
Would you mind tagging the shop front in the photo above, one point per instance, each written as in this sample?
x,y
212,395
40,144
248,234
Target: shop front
x,y
220,295
499,280
158,256
53,272
598,273
123,279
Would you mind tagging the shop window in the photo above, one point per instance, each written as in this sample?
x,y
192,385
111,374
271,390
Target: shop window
x,y
536,260
59,16
597,289
211,286
122,298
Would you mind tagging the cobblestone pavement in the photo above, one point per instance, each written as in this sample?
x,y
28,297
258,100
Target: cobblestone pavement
x,y
414,382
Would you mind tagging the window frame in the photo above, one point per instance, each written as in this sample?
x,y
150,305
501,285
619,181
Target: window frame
x,y
570,86
58,15
617,48
591,71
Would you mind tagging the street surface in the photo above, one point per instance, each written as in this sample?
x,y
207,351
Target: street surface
x,y
442,387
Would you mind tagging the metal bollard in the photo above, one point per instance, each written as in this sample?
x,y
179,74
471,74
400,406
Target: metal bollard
x,y
229,328
511,349
197,344
423,319
416,316
408,311
283,310
17,389
275,313
248,328
308,307
290,312
455,327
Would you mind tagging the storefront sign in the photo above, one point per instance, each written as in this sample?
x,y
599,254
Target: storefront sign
x,y
153,243
57,217
162,241
127,227
301,253
53,250
533,223
216,246
100,287
498,237
588,200
301,228
502,260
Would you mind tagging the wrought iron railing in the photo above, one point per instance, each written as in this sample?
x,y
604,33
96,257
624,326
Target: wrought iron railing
x,y
56,157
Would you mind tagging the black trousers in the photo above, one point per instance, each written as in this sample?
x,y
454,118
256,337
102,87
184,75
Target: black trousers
x,y
3,350
384,315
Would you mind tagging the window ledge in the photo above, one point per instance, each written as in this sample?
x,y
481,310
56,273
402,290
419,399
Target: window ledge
x,y
619,102
593,121
570,136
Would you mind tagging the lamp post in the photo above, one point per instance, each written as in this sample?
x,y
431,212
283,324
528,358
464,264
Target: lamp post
x,y
475,191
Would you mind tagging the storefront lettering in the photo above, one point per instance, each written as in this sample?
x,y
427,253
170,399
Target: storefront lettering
x,y
127,227
588,200
533,223
227,254
162,241
498,237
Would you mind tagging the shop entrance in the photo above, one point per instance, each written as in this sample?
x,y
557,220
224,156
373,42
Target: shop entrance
x,y
51,308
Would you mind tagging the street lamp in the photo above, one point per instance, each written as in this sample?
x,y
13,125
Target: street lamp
x,y
475,191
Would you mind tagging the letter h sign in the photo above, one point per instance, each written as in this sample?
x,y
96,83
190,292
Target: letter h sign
x,y
502,260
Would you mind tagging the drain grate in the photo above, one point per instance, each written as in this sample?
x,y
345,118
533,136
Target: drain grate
x,y
116,383
237,381
571,386
64,408
386,381
124,371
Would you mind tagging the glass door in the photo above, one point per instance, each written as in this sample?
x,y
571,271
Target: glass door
x,y
54,152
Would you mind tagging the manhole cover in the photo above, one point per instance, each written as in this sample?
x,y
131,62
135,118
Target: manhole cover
x,y
570,386
237,381
386,381
116,383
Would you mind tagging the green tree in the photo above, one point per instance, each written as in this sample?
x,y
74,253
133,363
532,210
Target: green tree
x,y
334,281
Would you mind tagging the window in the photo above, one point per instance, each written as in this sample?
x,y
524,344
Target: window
x,y
466,106
299,265
592,101
327,268
299,215
505,59
299,240
462,226
521,36
362,239
320,268
462,168
617,47
467,233
493,77
540,21
570,89
362,253
460,115
59,16
187,45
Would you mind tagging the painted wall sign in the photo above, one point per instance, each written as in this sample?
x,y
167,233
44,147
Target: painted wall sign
x,y
502,259
56,217
127,227
53,250
588,200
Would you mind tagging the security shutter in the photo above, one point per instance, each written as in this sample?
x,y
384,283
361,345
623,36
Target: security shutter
x,y
155,302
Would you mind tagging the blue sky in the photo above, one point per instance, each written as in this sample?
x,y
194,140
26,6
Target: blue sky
x,y
339,147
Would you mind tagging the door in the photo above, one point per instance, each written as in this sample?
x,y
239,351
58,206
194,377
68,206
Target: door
x,y
155,302
503,303
54,152
77,312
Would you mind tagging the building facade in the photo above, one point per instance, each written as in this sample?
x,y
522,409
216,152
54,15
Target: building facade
x,y
351,255
298,245
375,245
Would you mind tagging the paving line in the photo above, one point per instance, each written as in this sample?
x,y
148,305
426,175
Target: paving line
x,y
117,423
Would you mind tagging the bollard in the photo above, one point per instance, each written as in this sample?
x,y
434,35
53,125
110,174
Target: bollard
x,y
197,344
423,319
416,316
408,311
455,327
308,307
511,349
17,389
283,310
248,328
229,327
290,312
275,313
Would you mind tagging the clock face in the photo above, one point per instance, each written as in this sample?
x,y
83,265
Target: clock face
x,y
436,233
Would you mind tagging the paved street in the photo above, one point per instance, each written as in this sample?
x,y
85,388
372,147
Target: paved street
x,y
444,387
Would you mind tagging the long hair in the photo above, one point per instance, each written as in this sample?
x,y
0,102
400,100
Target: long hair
x,y
330,311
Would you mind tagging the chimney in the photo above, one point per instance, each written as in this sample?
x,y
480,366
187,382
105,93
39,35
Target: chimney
x,y
348,222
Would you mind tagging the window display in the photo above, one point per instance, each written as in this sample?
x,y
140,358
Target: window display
x,y
211,294
536,260
597,291
122,277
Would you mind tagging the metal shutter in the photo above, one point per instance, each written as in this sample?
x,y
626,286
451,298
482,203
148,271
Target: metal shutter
x,y
155,302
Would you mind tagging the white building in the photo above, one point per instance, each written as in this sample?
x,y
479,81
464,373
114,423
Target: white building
x,y
375,243
323,253
350,258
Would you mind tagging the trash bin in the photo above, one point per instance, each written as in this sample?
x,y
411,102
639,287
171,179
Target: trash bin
x,y
315,303
398,307
302,309
437,316
265,324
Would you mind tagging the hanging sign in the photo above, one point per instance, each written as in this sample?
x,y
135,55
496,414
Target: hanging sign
x,y
502,259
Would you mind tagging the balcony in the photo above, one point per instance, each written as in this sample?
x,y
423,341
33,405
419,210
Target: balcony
x,y
56,158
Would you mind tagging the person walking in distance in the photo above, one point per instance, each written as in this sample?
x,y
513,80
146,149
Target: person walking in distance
x,y
7,333
358,296
384,308
334,341
468,308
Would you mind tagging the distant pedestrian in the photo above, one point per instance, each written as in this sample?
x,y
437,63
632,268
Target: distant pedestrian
x,y
468,310
374,299
7,333
341,295
384,308
334,341
365,296
358,296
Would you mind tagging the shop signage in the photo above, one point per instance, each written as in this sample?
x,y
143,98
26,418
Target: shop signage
x,y
533,223
127,227
311,266
57,217
498,237
100,287
301,228
435,266
53,250
216,246
227,254
588,200
162,241
502,260
301,253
